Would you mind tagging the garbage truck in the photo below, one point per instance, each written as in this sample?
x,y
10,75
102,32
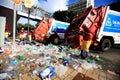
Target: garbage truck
x,y
102,22
50,30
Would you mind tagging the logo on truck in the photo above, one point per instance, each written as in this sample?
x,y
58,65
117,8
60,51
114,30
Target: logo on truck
x,y
112,23
108,22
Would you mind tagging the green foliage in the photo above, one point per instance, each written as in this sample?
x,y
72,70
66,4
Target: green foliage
x,y
60,15
19,26
65,16
30,26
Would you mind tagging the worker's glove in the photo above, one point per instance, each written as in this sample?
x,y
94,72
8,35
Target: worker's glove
x,y
80,32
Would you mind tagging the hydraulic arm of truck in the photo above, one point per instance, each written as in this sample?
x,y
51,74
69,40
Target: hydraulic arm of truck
x,y
92,18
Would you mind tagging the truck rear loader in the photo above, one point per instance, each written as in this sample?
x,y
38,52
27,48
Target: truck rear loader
x,y
103,24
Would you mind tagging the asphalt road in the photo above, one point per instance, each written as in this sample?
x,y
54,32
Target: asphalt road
x,y
111,59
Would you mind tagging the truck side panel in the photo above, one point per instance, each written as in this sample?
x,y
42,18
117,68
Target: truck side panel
x,y
111,26
42,29
46,29
60,27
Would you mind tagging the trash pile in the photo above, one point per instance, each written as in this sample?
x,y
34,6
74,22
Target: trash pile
x,y
43,61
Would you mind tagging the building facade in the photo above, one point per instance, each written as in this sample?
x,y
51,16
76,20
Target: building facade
x,y
81,5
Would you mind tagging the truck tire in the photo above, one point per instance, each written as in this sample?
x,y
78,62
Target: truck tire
x,y
105,44
54,39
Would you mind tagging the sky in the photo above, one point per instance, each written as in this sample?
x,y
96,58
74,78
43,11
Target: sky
x,y
25,20
97,2
104,2
54,5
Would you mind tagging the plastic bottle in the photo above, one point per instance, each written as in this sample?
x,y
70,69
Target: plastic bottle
x,y
4,76
89,60
20,57
75,66
51,74
97,58
1,51
9,68
46,72
13,62
65,63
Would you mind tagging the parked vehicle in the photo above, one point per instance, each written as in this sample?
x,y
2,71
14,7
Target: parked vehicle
x,y
46,30
103,23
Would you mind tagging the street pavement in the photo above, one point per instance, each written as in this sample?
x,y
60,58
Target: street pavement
x,y
110,64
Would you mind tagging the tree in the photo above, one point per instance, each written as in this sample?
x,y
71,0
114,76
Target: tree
x,y
30,26
65,16
19,26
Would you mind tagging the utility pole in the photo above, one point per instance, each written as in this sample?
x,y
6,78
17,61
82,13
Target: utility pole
x,y
28,4
28,18
18,2
14,22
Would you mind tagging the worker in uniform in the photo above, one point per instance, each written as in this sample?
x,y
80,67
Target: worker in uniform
x,y
6,32
30,35
22,34
54,38
87,39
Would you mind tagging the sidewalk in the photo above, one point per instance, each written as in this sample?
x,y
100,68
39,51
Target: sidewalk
x,y
87,75
73,74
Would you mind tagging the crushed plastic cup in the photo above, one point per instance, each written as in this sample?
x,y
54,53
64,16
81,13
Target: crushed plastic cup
x,y
7,51
87,66
13,74
70,59
29,48
80,69
75,66
1,51
9,68
19,57
36,71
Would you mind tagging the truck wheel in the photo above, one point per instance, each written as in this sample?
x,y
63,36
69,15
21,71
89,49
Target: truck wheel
x,y
54,39
105,45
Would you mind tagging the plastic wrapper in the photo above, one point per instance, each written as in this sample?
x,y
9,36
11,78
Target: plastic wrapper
x,y
60,70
